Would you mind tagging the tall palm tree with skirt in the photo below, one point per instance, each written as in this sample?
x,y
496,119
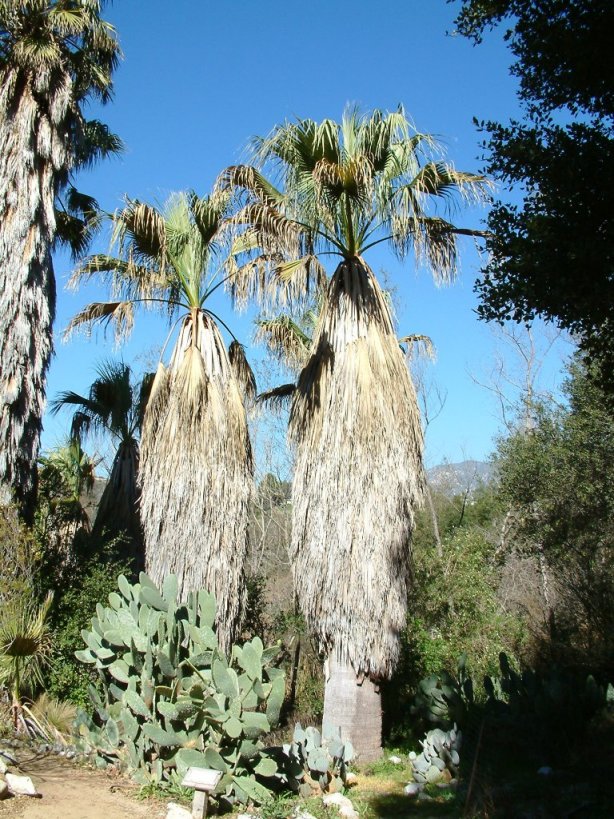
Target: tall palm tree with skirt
x,y
196,464
344,188
54,56
114,405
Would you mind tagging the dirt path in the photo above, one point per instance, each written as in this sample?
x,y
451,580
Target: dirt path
x,y
73,792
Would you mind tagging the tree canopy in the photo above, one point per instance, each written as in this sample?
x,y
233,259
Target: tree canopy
x,y
551,256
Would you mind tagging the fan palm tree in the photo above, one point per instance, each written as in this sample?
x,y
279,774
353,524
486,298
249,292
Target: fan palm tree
x,y
196,465
114,405
346,187
54,56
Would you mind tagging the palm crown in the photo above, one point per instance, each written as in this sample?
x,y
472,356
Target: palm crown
x,y
346,187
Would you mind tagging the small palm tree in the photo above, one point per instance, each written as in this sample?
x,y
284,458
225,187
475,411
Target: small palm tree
x,y
346,187
25,647
196,463
114,405
65,475
55,55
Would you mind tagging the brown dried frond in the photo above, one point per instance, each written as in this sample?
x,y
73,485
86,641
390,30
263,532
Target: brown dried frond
x,y
278,398
243,372
356,427
119,314
418,346
196,472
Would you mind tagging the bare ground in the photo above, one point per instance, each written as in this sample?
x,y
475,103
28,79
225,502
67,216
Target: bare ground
x,y
73,792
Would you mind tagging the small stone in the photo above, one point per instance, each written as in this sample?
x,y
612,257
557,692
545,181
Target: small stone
x,y
21,785
70,754
8,757
412,789
396,760
546,770
342,803
175,811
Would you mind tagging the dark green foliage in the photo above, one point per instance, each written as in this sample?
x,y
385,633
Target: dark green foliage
x,y
557,480
74,602
172,699
552,256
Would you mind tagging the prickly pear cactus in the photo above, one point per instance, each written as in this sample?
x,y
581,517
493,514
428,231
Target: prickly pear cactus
x,y
171,698
439,759
312,764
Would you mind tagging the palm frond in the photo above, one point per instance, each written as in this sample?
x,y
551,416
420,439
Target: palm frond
x,y
243,372
118,314
278,398
418,346
285,339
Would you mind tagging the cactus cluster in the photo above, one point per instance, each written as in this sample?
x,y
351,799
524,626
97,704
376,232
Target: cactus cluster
x,y
314,764
171,699
439,759
442,699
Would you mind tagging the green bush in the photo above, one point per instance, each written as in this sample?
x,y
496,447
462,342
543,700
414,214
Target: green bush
x,y
171,699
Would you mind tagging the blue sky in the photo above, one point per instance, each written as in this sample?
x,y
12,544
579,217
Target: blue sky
x,y
199,79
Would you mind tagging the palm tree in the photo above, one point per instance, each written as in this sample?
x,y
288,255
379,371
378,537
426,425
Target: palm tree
x,y
54,56
354,419
114,405
65,475
196,464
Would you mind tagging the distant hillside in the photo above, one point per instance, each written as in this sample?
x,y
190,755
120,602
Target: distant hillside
x,y
452,479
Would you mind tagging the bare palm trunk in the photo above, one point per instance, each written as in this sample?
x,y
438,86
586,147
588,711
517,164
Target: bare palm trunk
x,y
33,152
353,706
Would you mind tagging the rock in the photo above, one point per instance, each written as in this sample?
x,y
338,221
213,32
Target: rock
x,y
4,790
412,789
351,779
546,770
3,767
175,811
396,760
21,785
8,757
342,803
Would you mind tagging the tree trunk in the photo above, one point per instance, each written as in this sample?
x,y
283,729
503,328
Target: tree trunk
x,y
354,707
33,153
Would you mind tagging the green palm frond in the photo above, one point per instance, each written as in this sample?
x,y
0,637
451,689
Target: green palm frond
x,y
285,339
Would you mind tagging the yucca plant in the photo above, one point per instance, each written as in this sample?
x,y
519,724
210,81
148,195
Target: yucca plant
x,y
342,188
196,462
25,647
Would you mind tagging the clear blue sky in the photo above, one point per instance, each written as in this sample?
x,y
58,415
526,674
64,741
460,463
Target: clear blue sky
x,y
199,79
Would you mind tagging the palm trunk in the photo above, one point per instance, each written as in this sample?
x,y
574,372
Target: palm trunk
x,y
353,706
358,478
33,152
196,473
118,510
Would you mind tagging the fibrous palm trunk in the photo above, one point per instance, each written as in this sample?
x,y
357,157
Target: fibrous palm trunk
x,y
118,510
34,151
196,473
358,479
